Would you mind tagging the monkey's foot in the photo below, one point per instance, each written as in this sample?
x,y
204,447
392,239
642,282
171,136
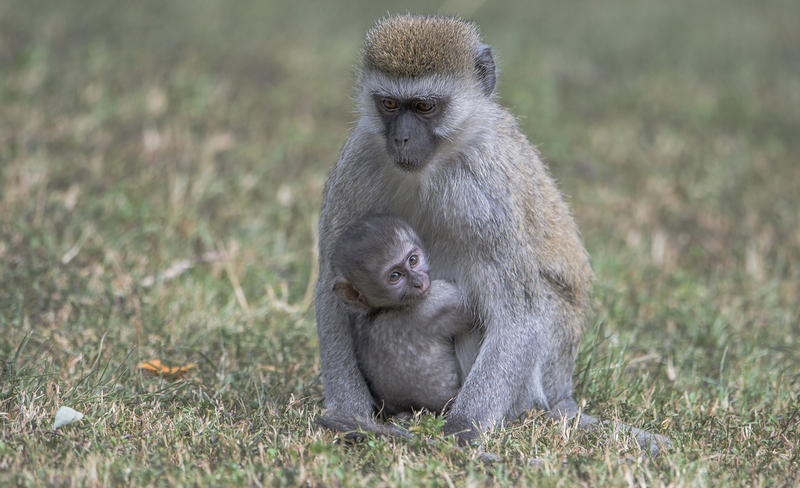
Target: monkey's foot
x,y
654,444
650,442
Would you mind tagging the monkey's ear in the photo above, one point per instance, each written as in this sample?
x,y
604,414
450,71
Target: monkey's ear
x,y
349,294
486,69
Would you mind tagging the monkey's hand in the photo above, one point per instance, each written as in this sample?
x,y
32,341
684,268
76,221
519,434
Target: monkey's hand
x,y
356,428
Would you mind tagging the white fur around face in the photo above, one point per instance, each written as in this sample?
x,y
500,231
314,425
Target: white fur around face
x,y
463,97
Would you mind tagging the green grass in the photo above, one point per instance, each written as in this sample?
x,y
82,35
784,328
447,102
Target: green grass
x,y
138,135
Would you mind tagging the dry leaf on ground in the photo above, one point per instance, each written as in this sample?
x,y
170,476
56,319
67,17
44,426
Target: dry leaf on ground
x,y
154,367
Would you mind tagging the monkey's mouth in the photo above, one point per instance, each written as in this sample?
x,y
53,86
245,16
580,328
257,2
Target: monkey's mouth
x,y
415,297
407,164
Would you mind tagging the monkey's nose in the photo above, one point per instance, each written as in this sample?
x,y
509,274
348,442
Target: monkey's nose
x,y
400,142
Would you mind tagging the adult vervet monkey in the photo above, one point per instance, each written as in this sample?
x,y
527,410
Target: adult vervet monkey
x,y
433,146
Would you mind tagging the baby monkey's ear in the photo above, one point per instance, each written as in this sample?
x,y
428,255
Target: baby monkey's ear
x,y
349,294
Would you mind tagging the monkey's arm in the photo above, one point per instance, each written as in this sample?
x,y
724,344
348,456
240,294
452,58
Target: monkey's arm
x,y
443,313
510,359
459,324
345,389
456,322
528,281
347,398
348,401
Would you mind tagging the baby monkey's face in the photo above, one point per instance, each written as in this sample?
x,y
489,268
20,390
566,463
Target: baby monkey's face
x,y
382,264
406,276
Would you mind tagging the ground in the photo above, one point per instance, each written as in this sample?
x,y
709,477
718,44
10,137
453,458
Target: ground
x,y
161,166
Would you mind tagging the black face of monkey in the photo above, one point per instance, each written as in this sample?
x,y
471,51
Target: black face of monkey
x,y
410,123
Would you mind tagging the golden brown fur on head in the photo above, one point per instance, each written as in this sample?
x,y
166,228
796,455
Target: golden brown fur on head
x,y
416,45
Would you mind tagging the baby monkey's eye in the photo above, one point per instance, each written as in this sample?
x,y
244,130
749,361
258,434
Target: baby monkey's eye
x,y
395,277
413,260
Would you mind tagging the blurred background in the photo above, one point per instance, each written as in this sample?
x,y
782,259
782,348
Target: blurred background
x,y
161,169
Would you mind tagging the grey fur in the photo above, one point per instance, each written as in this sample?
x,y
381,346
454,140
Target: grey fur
x,y
404,330
408,356
494,224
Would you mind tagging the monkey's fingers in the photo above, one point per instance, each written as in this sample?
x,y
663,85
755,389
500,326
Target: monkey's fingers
x,y
356,429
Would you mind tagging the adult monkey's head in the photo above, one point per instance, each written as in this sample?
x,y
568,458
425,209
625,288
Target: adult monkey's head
x,y
422,79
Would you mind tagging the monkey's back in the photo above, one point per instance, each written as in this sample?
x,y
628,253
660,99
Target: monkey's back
x,y
408,356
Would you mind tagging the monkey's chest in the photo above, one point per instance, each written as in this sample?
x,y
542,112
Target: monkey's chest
x,y
407,373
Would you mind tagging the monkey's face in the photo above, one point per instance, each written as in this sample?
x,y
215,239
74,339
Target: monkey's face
x,y
406,280
410,128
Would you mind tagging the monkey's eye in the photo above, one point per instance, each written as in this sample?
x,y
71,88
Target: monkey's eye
x,y
395,277
413,260
424,106
389,105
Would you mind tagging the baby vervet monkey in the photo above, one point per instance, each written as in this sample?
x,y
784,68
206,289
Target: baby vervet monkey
x,y
404,325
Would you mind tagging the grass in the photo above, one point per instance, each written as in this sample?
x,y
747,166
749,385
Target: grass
x,y
161,166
